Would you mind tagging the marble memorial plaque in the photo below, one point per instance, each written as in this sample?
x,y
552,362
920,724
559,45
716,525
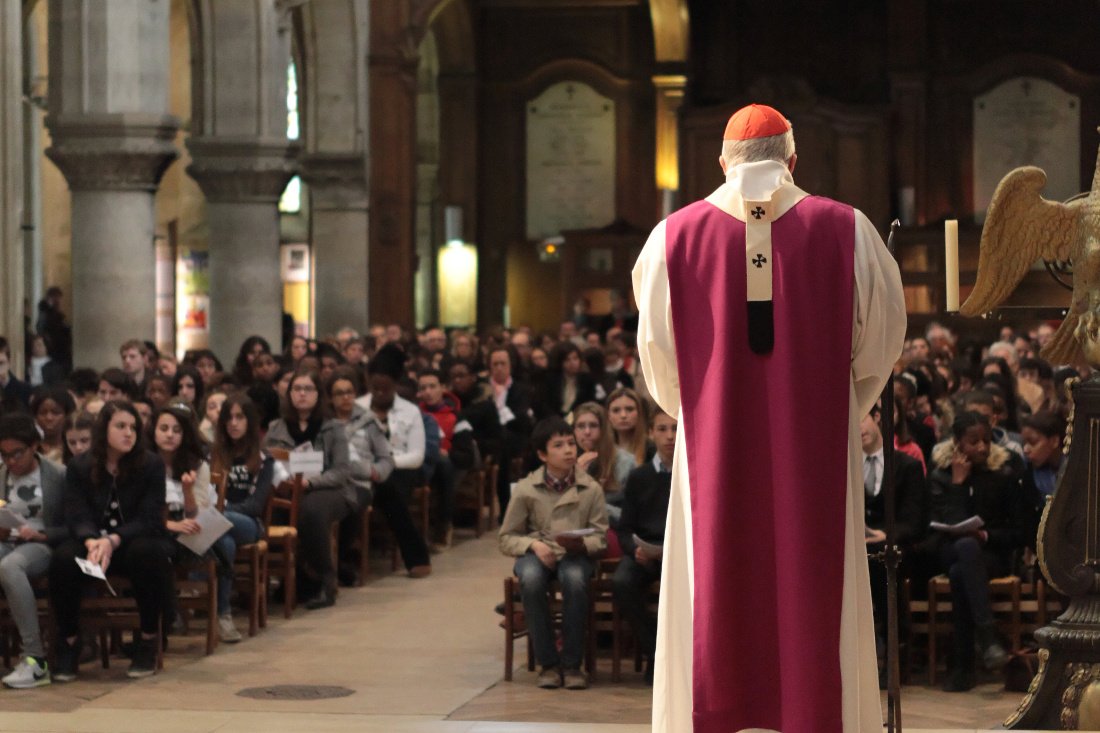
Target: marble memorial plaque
x,y
570,160
1026,121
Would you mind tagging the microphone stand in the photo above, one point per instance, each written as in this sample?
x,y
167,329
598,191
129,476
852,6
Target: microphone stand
x,y
891,553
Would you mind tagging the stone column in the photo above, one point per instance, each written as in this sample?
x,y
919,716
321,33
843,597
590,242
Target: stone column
x,y
242,182
11,180
339,224
112,140
242,159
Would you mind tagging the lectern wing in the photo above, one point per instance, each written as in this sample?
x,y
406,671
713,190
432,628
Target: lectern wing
x,y
1021,227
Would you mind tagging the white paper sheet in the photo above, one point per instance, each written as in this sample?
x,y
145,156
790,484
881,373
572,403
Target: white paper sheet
x,y
212,526
307,462
10,520
965,527
95,571
575,533
650,550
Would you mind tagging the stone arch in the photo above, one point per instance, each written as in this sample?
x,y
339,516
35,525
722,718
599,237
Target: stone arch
x,y
333,34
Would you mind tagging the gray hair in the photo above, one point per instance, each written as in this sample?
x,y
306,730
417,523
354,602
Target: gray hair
x,y
776,147
1006,351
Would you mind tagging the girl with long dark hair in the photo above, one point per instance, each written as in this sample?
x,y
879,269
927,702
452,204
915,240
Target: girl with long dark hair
x,y
252,347
188,385
50,406
249,473
114,508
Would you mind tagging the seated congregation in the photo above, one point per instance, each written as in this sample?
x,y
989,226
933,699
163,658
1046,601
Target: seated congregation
x,y
553,435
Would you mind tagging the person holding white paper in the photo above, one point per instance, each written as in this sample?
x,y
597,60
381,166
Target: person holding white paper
x,y
973,476
330,495
645,510
32,487
371,462
114,509
188,491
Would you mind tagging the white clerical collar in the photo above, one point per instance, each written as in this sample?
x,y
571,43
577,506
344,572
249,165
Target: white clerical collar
x,y
758,181
762,181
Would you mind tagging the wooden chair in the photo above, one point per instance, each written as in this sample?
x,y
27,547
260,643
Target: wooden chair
x,y
108,616
250,567
601,615
1038,606
282,539
621,632
200,595
1005,597
492,501
470,496
515,629
364,544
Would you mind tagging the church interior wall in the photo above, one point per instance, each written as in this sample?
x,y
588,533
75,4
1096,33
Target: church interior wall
x,y
607,46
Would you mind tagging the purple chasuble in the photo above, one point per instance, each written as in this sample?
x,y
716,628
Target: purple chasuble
x,y
767,449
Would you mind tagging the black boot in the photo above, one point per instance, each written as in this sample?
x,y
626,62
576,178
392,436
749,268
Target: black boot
x,y
325,598
994,656
959,680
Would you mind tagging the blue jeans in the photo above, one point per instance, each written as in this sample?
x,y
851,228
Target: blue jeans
x,y
245,531
572,573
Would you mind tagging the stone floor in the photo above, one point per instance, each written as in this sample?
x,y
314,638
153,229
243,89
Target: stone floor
x,y
421,656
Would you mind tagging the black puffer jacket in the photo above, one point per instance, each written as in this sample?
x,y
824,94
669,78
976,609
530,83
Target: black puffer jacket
x,y
1000,492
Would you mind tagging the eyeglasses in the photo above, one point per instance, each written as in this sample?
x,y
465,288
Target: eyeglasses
x,y
15,455
303,388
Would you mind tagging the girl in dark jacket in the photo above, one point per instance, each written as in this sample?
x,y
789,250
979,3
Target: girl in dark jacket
x,y
567,384
973,477
114,508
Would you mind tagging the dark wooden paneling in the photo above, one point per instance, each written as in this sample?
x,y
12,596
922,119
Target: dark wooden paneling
x,y
519,40
523,51
839,47
843,151
393,65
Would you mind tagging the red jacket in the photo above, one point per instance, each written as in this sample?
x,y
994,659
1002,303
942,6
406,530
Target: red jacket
x,y
446,414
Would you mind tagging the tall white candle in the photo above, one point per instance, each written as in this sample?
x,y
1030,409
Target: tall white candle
x,y
951,263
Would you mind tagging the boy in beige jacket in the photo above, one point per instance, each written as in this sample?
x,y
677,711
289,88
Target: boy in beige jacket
x,y
556,525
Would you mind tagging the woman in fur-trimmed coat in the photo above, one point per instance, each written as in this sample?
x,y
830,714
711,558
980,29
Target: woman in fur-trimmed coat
x,y
972,476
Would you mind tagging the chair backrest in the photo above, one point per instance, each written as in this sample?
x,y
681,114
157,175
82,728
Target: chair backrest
x,y
218,478
286,495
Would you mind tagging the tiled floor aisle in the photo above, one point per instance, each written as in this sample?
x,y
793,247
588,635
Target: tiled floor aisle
x,y
414,652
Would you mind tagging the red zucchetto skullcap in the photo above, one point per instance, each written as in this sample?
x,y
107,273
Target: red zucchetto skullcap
x,y
756,120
